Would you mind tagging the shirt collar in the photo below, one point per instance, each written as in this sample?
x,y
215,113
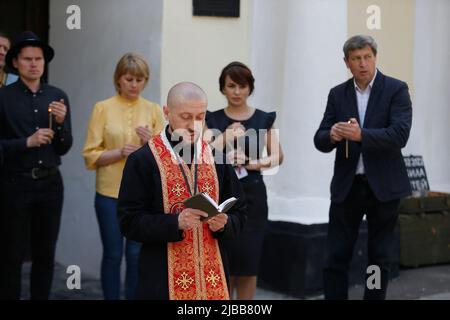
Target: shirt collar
x,y
370,83
175,142
169,136
23,87
127,102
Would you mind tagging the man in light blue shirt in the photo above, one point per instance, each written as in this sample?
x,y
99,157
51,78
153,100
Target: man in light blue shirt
x,y
362,99
5,78
367,121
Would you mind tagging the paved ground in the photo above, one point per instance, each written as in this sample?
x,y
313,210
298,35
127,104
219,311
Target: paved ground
x,y
428,283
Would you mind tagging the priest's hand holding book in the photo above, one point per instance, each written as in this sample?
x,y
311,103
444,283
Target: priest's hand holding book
x,y
218,222
190,218
202,208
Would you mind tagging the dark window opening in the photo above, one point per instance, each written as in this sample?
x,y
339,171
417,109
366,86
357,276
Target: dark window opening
x,y
217,8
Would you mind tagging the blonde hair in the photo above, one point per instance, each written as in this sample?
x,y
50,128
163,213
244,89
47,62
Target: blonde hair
x,y
134,64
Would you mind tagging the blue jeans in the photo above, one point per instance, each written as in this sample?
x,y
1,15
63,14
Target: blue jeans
x,y
112,240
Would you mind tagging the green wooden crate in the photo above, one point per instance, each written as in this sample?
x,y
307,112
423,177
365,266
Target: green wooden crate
x,y
425,229
430,202
424,239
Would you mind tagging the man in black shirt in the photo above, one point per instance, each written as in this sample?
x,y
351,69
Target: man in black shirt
x,y
181,257
35,132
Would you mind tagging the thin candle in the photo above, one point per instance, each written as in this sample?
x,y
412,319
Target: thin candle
x,y
346,143
50,119
346,149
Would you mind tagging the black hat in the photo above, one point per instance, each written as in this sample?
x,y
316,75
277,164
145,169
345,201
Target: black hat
x,y
26,39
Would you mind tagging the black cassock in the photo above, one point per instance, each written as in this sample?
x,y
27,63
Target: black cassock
x,y
142,218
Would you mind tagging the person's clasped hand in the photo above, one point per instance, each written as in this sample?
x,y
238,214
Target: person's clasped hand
x,y
190,218
218,222
346,130
143,133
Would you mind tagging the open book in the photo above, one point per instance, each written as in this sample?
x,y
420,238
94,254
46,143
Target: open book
x,y
202,201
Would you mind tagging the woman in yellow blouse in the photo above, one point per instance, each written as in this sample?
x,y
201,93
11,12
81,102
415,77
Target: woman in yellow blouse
x,y
119,126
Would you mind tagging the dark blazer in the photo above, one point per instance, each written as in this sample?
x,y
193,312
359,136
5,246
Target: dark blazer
x,y
385,132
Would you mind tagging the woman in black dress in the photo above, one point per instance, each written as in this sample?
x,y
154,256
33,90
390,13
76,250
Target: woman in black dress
x,y
246,132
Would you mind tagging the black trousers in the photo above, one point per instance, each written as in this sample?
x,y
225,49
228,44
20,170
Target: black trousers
x,y
30,211
343,227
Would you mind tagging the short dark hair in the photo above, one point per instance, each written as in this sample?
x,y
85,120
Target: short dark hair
x,y
239,73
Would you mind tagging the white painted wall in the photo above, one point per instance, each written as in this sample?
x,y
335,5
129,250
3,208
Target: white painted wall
x,y
430,135
297,59
197,48
84,66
